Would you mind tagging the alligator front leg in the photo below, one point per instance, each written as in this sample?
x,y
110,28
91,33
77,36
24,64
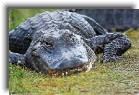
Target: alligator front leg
x,y
113,45
16,58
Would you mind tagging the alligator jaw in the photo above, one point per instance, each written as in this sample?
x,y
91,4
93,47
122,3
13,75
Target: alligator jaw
x,y
69,71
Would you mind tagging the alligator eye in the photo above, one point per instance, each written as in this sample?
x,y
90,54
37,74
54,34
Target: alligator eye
x,y
71,38
48,44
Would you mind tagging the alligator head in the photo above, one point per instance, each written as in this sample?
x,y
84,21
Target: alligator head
x,y
60,51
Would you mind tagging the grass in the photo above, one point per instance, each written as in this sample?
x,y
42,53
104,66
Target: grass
x,y
120,78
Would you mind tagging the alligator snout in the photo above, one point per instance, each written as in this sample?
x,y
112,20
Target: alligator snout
x,y
69,63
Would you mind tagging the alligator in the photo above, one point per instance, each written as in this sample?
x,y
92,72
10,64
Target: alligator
x,y
61,42
118,20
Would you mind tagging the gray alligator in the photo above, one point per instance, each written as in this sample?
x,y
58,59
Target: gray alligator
x,y
62,41
118,19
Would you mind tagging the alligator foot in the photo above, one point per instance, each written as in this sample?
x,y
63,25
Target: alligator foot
x,y
112,45
15,58
116,48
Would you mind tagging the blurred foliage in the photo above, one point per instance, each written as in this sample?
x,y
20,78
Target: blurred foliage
x,y
17,16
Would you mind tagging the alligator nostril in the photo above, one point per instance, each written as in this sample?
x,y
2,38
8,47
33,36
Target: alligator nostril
x,y
35,53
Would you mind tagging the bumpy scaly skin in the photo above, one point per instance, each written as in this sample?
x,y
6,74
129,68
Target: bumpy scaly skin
x,y
61,40
112,45
118,19
21,37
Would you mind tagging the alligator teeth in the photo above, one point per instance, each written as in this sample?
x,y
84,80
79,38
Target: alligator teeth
x,y
19,61
68,71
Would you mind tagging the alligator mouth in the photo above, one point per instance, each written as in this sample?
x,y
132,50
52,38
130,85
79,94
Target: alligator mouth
x,y
68,71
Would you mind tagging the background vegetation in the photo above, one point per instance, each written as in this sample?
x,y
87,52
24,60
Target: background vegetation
x,y
120,78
